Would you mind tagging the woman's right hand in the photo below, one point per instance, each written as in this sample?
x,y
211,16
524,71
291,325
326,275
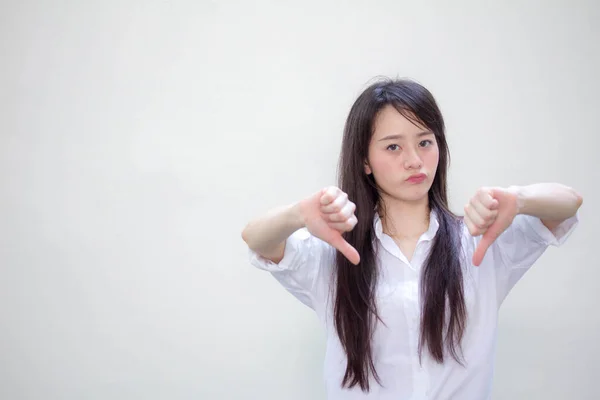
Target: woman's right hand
x,y
327,214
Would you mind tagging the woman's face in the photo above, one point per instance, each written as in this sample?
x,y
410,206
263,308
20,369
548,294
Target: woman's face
x,y
403,157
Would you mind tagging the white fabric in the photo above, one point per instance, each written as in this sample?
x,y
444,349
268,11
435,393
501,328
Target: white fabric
x,y
306,272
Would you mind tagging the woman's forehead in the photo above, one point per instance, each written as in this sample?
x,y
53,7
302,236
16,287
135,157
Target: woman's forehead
x,y
391,124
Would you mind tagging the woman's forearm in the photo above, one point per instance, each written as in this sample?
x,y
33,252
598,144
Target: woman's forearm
x,y
548,201
267,234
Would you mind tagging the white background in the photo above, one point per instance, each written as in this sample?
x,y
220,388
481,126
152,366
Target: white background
x,y
138,138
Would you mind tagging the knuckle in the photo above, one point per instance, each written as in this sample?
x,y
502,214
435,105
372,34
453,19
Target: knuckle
x,y
482,193
332,191
347,225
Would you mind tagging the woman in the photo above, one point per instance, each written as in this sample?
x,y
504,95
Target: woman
x,y
407,291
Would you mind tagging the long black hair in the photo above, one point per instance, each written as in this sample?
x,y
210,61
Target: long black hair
x,y
355,308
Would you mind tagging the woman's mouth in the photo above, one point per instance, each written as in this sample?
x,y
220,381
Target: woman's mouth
x,y
418,178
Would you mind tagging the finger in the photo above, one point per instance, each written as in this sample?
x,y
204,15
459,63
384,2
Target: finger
x,y
473,230
486,241
480,252
484,244
346,249
486,213
476,219
336,206
488,216
329,195
487,199
345,226
343,215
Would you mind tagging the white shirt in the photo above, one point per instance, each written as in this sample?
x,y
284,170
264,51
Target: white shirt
x,y
306,272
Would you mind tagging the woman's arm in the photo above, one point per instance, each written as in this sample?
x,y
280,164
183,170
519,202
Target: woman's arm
x,y
492,210
327,214
552,203
267,234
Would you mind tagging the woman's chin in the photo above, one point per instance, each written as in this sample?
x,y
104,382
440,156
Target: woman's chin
x,y
412,195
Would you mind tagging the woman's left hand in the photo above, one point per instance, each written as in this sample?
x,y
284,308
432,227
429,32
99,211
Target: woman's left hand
x,y
489,213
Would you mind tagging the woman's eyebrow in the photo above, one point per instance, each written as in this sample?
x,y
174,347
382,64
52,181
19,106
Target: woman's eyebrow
x,y
399,136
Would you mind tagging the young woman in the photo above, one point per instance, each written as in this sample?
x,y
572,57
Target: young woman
x,y
407,291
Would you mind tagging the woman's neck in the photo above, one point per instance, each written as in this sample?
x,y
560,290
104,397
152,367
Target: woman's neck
x,y
405,220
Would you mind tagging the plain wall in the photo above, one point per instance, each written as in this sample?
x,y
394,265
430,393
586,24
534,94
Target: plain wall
x,y
138,138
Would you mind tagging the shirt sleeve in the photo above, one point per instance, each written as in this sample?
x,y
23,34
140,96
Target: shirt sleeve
x,y
520,246
303,267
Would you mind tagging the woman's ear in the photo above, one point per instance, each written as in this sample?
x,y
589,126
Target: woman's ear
x,y
367,168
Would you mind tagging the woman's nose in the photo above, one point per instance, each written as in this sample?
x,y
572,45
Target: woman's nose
x,y
412,160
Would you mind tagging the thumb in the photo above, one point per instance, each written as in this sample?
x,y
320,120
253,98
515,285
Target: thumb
x,y
345,248
481,249
486,241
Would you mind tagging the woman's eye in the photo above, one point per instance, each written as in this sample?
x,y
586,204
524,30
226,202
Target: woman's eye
x,y
426,143
393,147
